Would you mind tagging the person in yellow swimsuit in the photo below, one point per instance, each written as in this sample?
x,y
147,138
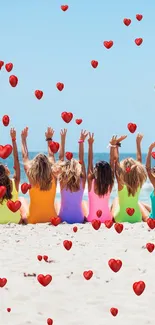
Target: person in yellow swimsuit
x,y
11,186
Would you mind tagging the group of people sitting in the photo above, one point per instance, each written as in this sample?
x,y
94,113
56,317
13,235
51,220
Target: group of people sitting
x,y
44,172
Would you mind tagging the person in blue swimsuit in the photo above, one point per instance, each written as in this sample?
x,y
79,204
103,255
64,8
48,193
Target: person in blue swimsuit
x,y
151,175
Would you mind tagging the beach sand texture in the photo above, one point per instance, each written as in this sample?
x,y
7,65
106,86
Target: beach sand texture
x,y
70,299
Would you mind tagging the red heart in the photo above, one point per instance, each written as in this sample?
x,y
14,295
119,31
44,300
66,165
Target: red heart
x,y
44,280
130,211
64,7
25,187
118,227
88,274
38,94
114,311
153,155
132,127
108,44
9,67
139,287
94,64
5,120
150,247
115,265
96,224
3,282
45,257
8,310
138,41
13,206
127,21
60,86
128,169
67,117
78,121
139,17
54,146
67,244
5,151
2,191
39,257
151,223
75,229
99,213
1,64
69,155
55,221
49,321
13,81
108,223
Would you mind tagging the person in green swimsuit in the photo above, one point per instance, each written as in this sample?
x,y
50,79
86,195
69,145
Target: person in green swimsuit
x,y
130,176
151,176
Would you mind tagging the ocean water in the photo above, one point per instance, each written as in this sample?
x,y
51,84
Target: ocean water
x,y
145,192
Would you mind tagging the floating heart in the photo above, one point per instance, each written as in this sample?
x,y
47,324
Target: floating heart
x,y
88,274
69,155
44,280
108,44
130,211
138,41
99,213
55,221
118,227
5,120
94,64
13,206
67,244
150,247
64,7
128,169
8,310
108,223
96,224
54,146
132,127
9,67
25,187
39,257
49,321
60,86
78,121
38,94
114,311
75,229
127,21
45,257
3,282
67,117
115,265
5,151
139,17
1,64
151,223
153,155
13,81
139,287
2,191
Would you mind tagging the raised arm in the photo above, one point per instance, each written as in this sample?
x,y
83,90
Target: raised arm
x,y
62,144
115,144
90,154
49,137
25,154
83,136
138,146
148,164
16,159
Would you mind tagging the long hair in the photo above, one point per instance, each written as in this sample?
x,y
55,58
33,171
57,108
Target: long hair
x,y
104,177
5,181
40,172
136,176
70,173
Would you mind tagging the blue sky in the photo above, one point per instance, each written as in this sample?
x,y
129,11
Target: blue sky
x,y
47,45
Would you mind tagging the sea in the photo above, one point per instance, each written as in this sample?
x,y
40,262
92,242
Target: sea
x,y
145,192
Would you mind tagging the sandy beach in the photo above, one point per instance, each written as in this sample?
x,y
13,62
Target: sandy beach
x,y
70,299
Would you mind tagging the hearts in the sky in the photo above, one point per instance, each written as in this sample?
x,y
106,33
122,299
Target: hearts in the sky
x,y
139,17
69,155
138,41
9,66
1,64
3,282
5,151
44,280
88,274
75,228
54,146
108,44
60,86
96,224
94,64
55,221
150,247
130,211
114,311
13,206
127,21
151,223
78,121
64,7
132,127
115,265
118,227
99,213
153,154
13,81
139,287
5,120
38,94
2,191
25,187
108,223
67,116
67,244
49,321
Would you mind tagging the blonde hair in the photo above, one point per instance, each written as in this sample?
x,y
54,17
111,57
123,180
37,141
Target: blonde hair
x,y
40,172
70,173
133,179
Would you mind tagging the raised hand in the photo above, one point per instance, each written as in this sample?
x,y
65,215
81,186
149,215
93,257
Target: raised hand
x,y
152,146
63,133
91,138
114,141
13,133
49,133
139,137
83,135
24,133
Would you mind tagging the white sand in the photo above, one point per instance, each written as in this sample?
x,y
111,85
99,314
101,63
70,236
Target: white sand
x,y
69,299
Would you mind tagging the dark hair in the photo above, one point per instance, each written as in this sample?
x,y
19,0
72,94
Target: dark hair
x,y
104,177
5,181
